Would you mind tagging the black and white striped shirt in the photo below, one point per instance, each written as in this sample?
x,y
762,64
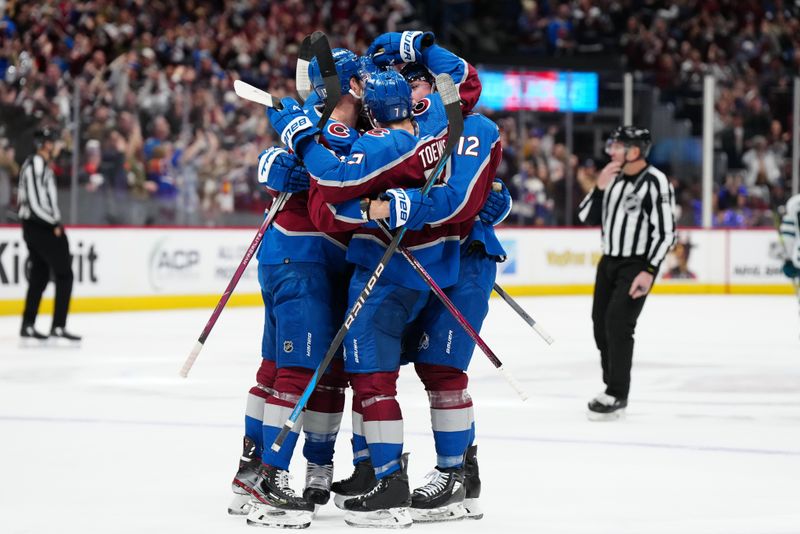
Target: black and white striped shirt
x,y
636,214
37,192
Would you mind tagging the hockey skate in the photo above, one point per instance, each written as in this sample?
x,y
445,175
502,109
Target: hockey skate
x,y
385,505
441,498
318,483
61,338
275,503
604,407
361,481
472,482
30,337
245,478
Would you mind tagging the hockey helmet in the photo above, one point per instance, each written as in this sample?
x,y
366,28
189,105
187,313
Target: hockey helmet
x,y
347,66
388,97
416,71
631,136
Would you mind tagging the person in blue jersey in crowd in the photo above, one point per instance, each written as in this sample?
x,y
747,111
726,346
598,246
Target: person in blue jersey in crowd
x,y
384,159
303,274
437,344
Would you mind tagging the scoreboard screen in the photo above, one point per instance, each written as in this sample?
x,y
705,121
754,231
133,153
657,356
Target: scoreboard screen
x,y
539,91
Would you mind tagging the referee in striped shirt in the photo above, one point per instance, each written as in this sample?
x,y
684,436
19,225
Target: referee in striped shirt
x,y
633,202
48,248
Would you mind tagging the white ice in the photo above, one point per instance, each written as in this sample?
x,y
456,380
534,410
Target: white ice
x,y
108,439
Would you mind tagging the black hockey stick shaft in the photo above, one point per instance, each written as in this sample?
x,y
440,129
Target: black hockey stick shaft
x,y
522,313
455,119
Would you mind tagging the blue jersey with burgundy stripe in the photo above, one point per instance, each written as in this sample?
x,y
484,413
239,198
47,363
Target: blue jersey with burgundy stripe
x,y
384,159
293,236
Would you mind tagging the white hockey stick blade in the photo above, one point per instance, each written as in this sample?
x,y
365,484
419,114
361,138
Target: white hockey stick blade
x,y
191,359
514,383
254,94
302,81
541,331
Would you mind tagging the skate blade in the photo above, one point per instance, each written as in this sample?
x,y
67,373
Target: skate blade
x,y
240,505
473,508
268,516
391,518
61,343
613,416
32,343
451,512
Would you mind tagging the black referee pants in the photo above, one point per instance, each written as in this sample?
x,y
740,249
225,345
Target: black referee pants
x,y
614,315
47,253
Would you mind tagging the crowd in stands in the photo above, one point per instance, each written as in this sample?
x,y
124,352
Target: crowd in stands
x,y
164,139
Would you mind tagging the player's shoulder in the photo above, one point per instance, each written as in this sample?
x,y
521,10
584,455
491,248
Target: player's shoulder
x,y
793,204
340,137
482,124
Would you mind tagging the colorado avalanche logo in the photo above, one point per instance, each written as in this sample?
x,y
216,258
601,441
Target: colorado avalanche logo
x,y
338,129
421,106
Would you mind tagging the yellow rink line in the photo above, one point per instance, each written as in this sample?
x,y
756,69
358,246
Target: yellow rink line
x,y
168,302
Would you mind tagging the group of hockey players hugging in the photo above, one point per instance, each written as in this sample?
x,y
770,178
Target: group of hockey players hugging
x,y
368,162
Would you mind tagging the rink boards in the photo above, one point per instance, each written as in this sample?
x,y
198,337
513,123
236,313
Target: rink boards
x,y
158,268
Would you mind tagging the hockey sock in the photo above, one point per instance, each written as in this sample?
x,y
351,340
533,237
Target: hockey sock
x,y
256,398
359,442
383,420
289,385
323,417
452,415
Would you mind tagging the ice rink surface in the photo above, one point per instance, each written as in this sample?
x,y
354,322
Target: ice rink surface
x,y
108,439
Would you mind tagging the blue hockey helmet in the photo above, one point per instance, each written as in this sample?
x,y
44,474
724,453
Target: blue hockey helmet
x,y
347,66
388,96
416,71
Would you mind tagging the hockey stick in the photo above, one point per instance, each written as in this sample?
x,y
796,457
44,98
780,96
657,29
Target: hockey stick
x,y
444,299
223,300
302,82
522,313
456,121
254,94
322,50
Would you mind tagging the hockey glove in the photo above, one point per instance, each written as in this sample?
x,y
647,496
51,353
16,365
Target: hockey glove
x,y
292,124
790,270
281,171
497,206
396,47
407,207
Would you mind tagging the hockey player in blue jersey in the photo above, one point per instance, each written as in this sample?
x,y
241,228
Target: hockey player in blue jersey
x,y
304,276
437,344
388,157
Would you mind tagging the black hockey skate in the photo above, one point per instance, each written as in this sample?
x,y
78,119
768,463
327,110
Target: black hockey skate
x,y
318,483
59,336
385,505
245,478
29,337
361,481
472,481
275,503
604,407
441,498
